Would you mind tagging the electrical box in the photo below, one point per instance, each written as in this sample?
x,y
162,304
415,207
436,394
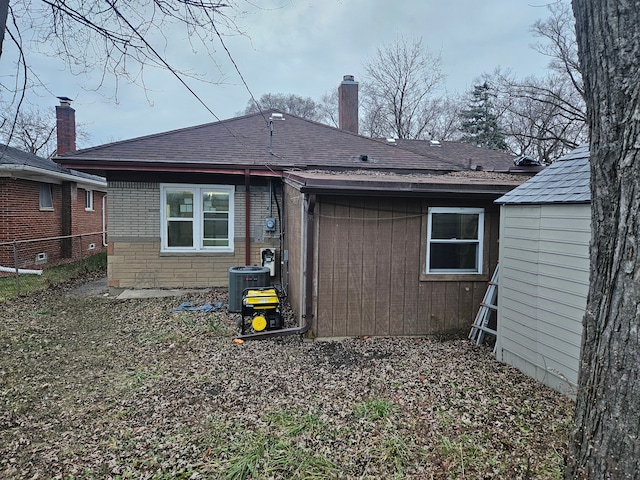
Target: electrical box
x,y
270,224
268,256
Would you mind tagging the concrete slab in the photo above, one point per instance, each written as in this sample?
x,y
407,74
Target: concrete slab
x,y
157,293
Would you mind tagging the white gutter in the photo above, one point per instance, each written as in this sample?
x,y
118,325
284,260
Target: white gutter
x,y
41,172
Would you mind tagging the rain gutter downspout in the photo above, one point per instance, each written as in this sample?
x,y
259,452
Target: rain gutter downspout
x,y
104,220
247,217
310,205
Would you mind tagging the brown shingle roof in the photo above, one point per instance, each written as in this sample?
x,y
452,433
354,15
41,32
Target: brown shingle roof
x,y
466,156
244,142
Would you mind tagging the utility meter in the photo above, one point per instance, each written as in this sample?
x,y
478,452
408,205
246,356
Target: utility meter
x,y
270,224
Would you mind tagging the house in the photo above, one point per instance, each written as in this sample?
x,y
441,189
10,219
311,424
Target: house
x,y
545,230
371,238
48,214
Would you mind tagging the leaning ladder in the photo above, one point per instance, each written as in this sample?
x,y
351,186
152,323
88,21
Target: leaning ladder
x,y
480,325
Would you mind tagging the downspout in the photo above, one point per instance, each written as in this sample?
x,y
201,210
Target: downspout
x,y
247,217
104,220
310,205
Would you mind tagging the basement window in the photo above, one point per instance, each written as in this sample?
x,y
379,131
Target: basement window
x,y
46,198
454,240
197,218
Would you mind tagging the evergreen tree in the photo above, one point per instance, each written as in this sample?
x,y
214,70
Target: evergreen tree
x,y
479,124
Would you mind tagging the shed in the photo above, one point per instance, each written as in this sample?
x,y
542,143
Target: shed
x,y
545,229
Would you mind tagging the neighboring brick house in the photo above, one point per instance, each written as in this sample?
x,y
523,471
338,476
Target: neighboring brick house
x,y
40,200
365,230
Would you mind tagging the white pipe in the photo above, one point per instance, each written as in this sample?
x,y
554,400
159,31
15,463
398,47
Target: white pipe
x,y
20,271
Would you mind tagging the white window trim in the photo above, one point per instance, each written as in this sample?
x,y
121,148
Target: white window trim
x,y
88,200
479,241
45,207
197,217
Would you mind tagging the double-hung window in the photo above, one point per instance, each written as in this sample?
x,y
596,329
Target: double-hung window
x,y
197,218
454,240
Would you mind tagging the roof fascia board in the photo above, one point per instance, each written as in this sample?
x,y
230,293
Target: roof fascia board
x,y
256,170
306,185
30,172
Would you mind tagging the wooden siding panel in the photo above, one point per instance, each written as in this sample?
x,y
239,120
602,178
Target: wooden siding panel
x,y
370,252
292,268
340,271
412,270
355,322
369,265
467,305
437,323
424,308
452,320
399,281
325,250
383,257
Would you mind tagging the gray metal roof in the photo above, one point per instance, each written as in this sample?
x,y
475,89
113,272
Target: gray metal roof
x,y
564,181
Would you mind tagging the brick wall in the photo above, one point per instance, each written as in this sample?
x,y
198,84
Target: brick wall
x,y
134,240
20,211
135,210
22,219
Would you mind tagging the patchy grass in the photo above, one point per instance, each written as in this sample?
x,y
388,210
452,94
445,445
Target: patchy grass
x,y
126,389
11,287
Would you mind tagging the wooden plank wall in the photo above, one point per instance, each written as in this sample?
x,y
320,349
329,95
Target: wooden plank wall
x,y
292,269
369,263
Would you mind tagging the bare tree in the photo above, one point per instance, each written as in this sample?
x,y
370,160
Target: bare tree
x,y
34,129
540,117
289,103
605,440
399,89
121,40
545,117
328,108
560,45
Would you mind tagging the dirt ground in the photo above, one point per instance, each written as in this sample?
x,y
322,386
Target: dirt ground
x,y
95,387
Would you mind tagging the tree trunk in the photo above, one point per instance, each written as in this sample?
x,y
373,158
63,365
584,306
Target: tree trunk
x,y
4,12
605,441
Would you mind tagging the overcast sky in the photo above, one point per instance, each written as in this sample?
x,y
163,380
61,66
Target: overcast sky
x,y
305,47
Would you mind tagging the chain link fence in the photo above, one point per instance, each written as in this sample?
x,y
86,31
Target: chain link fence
x,y
23,262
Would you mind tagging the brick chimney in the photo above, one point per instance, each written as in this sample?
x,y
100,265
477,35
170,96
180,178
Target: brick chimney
x,y
348,104
65,126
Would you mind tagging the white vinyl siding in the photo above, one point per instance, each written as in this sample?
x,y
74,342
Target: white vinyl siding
x,y
544,280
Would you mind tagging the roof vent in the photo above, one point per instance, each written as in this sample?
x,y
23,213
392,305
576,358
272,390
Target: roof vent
x,y
435,143
364,158
392,141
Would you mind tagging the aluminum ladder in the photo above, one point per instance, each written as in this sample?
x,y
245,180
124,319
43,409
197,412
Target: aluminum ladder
x,y
480,325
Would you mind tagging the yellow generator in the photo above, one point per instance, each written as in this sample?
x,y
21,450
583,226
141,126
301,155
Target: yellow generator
x,y
260,310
